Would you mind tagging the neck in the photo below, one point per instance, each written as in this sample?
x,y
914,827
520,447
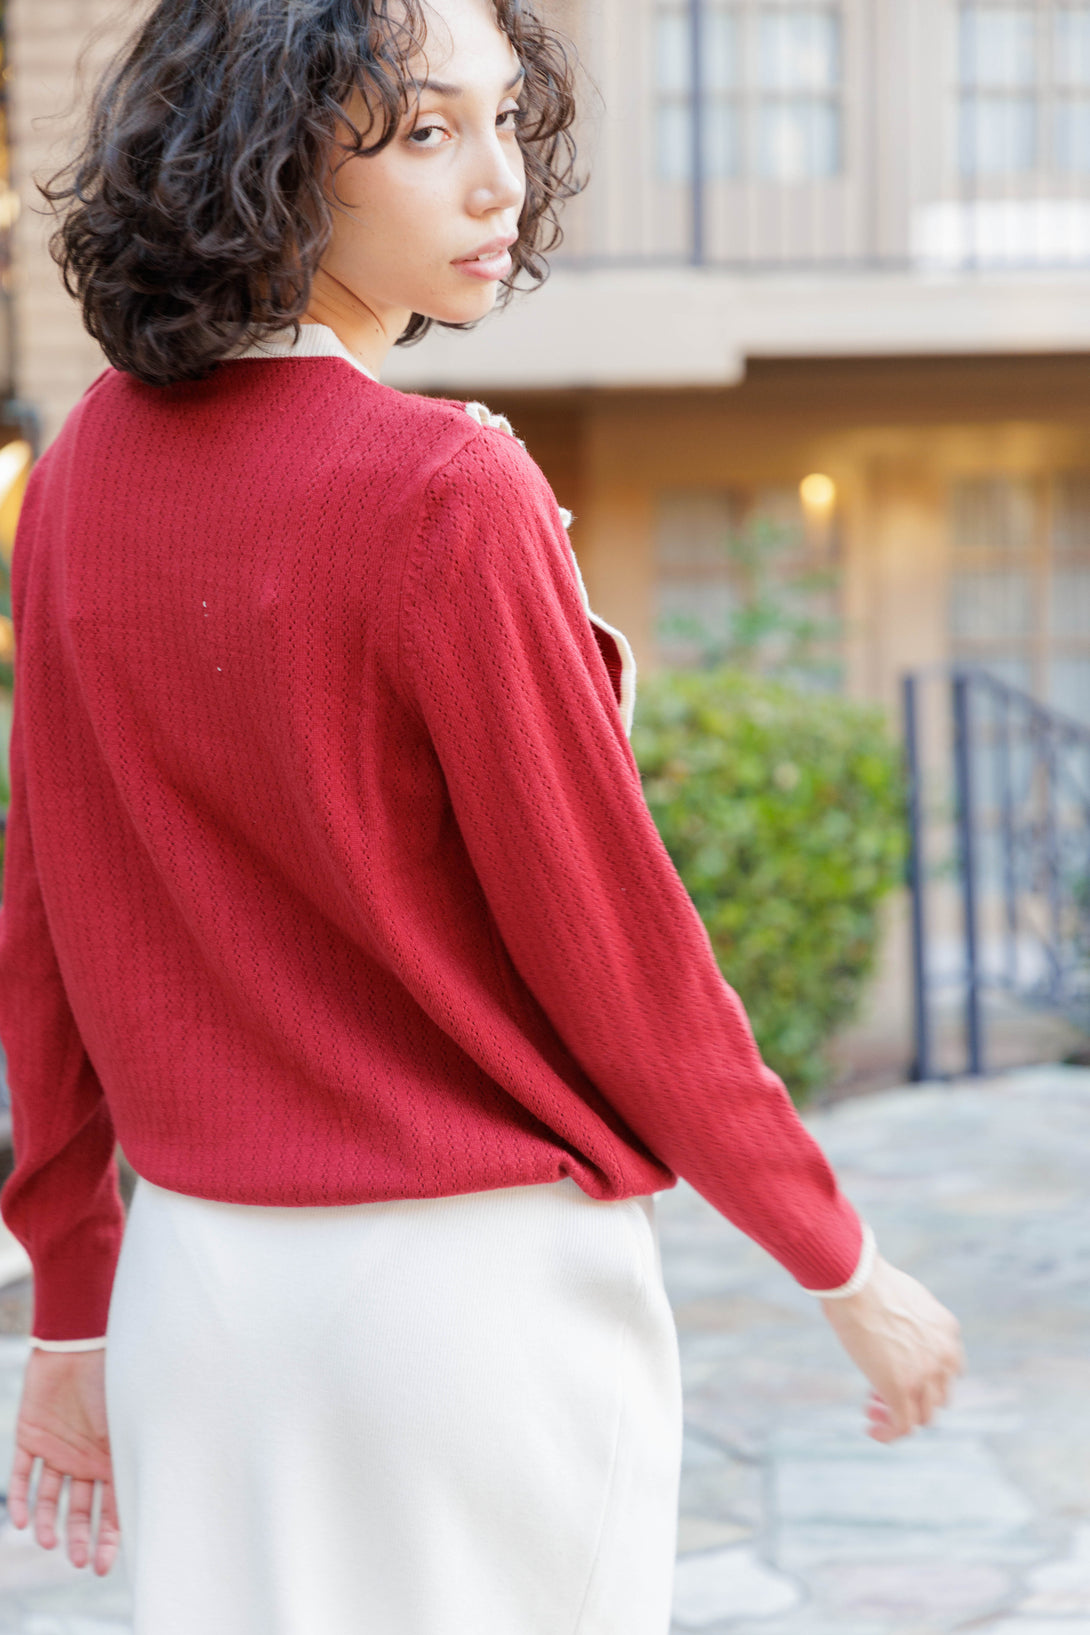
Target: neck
x,y
357,326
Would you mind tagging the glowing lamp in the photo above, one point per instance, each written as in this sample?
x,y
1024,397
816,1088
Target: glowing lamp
x,y
817,492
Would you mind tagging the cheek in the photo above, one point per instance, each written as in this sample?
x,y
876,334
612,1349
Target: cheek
x,y
394,204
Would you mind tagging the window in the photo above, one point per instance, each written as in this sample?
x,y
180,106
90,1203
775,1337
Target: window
x,y
798,113
697,591
770,85
1024,87
742,578
720,86
1071,76
1019,589
1068,681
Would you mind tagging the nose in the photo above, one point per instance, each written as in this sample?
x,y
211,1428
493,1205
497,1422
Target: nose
x,y
498,179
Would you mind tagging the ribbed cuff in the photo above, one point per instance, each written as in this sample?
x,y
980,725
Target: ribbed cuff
x,y
69,1345
862,1271
73,1280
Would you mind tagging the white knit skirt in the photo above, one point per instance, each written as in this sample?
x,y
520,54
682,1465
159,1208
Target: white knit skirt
x,y
438,1416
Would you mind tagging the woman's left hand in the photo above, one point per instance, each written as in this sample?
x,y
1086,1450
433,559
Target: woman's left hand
x,y
62,1421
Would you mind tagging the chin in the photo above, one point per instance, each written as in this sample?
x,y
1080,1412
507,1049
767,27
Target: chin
x,y
470,306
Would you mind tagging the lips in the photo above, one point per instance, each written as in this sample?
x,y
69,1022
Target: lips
x,y
485,252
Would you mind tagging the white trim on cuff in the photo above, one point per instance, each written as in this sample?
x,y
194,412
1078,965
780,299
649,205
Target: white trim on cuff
x,y
69,1345
859,1276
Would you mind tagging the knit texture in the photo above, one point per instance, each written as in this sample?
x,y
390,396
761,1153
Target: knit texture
x,y
329,875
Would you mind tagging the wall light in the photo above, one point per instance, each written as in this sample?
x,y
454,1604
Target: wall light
x,y
817,492
14,459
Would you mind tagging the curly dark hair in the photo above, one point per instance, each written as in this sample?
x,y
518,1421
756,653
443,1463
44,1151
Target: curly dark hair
x,y
193,218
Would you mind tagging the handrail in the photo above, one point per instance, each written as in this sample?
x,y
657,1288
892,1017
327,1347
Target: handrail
x,y
1036,760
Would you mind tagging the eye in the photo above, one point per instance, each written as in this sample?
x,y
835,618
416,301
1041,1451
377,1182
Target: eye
x,y
515,116
425,130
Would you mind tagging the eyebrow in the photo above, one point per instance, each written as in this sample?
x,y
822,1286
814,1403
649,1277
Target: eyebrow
x,y
446,90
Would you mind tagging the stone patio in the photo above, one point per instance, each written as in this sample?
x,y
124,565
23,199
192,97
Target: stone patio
x,y
792,1521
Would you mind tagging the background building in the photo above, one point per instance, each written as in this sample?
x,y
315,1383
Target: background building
x,y
830,276
53,50
857,244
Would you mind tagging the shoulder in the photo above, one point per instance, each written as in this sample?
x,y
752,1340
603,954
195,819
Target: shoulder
x,y
489,516
458,451
489,474
109,384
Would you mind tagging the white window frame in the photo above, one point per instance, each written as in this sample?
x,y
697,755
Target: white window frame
x,y
749,100
1046,92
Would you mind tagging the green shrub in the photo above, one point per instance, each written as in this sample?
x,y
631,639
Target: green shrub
x,y
783,813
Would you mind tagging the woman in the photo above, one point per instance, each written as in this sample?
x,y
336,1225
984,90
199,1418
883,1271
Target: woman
x,y
332,895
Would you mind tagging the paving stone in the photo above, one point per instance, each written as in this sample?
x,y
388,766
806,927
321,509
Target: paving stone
x,y
899,1591
1061,1588
14,1260
724,1492
806,1550
45,1623
16,1307
728,1584
981,1520
1034,1626
698,1453
950,1485
48,1579
807,1620
13,1353
732,1314
698,1533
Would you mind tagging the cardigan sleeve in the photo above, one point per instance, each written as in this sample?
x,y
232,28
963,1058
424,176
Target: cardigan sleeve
x,y
499,657
62,1199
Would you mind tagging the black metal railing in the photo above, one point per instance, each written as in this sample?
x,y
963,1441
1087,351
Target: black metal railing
x,y
999,824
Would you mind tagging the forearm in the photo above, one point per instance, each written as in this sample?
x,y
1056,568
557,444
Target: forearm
x,y
62,1200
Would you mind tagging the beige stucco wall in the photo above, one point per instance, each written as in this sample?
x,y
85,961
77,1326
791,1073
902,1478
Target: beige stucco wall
x,y
892,433
48,41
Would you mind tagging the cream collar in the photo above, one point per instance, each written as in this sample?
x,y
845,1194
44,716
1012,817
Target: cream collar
x,y
315,341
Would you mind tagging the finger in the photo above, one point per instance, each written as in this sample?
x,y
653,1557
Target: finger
x,y
925,1399
19,1486
882,1429
50,1483
880,1423
902,1412
109,1530
81,1493
941,1386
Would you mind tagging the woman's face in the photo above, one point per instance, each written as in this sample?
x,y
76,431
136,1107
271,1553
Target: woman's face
x,y
449,182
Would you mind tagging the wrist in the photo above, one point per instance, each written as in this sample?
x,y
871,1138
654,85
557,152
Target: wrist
x,y
870,1293
864,1269
96,1344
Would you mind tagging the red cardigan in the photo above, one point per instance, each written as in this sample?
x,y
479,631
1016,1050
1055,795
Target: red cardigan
x,y
329,875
